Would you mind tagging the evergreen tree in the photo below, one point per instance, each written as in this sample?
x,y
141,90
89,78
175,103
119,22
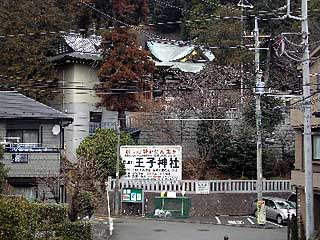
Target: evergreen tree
x,y
24,65
223,33
163,13
131,12
100,153
124,73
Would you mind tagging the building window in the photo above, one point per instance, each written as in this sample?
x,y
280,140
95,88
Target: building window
x,y
95,117
24,135
20,158
316,147
95,122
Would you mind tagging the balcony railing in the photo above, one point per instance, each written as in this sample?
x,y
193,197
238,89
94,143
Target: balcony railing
x,y
17,147
93,126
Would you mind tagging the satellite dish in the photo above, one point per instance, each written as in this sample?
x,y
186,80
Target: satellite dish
x,y
56,129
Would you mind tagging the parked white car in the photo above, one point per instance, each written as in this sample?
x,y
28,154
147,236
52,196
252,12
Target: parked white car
x,y
277,209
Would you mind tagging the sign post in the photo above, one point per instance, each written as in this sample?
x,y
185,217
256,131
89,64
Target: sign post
x,y
261,212
109,212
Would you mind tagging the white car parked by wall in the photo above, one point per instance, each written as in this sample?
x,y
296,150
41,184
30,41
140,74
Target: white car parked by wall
x,y
277,209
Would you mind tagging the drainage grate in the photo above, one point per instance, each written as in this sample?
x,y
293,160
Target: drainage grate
x,y
203,230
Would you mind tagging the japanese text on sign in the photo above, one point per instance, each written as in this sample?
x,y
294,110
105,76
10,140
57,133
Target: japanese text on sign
x,y
152,162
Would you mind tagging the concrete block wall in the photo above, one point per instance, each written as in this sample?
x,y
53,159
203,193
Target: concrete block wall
x,y
155,130
202,205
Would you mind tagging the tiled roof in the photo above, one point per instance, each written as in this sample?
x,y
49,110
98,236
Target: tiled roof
x,y
166,52
76,55
14,105
80,44
77,47
183,66
169,55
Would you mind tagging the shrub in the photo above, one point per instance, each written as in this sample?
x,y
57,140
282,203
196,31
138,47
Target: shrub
x,y
86,205
21,220
3,174
75,231
51,214
17,219
49,217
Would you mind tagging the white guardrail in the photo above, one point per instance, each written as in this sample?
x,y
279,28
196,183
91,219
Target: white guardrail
x,y
215,186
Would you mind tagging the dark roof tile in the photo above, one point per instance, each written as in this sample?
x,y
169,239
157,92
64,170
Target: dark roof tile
x,y
14,105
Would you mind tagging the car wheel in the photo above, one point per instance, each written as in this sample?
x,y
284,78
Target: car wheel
x,y
279,219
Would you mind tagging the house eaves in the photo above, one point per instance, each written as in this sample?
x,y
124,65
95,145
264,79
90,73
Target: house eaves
x,y
75,47
14,105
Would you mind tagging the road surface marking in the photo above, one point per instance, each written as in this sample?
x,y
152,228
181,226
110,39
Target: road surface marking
x,y
236,222
218,220
250,221
269,222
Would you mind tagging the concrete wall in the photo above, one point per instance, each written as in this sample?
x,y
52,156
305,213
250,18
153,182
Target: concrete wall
x,y
155,130
297,114
205,205
78,103
298,175
298,179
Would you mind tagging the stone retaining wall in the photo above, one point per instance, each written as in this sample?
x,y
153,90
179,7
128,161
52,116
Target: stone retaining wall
x,y
201,205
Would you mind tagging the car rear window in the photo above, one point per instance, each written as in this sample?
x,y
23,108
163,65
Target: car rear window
x,y
292,198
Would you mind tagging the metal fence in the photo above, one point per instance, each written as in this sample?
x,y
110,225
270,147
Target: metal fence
x,y
215,186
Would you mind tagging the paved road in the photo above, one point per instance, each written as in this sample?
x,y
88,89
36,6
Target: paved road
x,y
143,229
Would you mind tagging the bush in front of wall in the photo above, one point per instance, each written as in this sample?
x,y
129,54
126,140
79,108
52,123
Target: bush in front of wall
x,y
52,214
22,220
75,231
18,220
49,218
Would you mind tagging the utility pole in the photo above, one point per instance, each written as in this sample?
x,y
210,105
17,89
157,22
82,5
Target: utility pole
x,y
117,187
241,64
307,141
243,7
259,91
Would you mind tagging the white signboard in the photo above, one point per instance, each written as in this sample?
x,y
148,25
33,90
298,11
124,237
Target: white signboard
x,y
202,187
152,162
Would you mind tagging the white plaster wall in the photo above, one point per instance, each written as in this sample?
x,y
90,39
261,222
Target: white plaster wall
x,y
78,103
297,114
